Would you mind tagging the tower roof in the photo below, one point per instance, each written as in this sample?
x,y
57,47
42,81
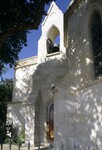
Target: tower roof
x,y
52,9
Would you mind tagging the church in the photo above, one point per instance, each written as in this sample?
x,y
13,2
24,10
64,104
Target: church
x,y
57,95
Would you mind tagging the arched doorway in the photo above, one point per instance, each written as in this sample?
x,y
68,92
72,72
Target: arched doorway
x,y
50,122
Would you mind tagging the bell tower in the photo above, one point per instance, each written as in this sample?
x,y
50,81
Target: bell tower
x,y
51,42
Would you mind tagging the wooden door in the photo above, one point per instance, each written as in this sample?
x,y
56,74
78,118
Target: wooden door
x,y
50,122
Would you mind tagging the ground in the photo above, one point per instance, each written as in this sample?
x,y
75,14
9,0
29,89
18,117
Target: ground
x,y
14,147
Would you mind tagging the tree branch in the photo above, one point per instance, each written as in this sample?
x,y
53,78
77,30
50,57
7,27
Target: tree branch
x,y
11,32
23,27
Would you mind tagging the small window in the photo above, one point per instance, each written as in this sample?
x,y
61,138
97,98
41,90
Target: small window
x,y
96,30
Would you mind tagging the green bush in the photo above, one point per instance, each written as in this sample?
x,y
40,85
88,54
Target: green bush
x,y
20,138
17,139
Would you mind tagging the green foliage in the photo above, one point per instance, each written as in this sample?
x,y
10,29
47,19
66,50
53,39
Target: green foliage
x,y
17,17
2,128
20,138
2,131
6,88
10,50
7,140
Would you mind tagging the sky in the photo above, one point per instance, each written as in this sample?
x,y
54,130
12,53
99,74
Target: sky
x,y
32,40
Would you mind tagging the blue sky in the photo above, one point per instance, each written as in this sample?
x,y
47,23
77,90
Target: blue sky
x,y
32,40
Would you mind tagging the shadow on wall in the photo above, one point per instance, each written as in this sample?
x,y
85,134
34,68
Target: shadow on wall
x,y
28,91
81,118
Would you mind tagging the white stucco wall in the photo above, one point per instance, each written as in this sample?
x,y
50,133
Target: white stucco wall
x,y
23,79
22,116
21,110
78,99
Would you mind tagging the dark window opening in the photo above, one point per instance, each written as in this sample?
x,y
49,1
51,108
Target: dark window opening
x,y
96,30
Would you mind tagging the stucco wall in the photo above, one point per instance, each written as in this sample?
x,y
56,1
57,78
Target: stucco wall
x,y
23,79
78,100
79,44
22,116
21,110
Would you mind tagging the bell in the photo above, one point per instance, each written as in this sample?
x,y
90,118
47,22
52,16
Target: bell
x,y
55,47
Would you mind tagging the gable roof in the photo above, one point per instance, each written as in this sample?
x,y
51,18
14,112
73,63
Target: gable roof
x,y
53,9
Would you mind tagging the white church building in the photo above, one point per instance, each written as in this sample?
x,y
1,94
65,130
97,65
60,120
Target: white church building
x,y
57,95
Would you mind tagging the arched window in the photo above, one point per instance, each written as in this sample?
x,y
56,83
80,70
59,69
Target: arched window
x,y
53,40
96,30
50,121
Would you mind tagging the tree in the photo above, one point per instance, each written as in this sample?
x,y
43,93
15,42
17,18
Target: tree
x,y
6,88
16,18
